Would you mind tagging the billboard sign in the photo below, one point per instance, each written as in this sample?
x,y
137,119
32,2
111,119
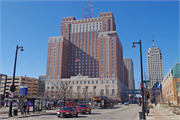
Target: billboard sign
x,y
23,90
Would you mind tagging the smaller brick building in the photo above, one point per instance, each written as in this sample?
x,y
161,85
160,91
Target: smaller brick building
x,y
171,85
32,84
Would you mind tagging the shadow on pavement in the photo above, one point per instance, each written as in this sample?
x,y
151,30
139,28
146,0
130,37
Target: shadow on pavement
x,y
74,117
113,108
94,114
51,114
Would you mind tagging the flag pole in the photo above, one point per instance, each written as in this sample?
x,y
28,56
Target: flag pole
x,y
79,65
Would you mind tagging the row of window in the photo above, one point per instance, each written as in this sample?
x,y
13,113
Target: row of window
x,y
55,40
84,82
83,20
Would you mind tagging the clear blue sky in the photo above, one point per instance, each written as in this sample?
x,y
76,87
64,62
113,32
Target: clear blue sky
x,y
30,24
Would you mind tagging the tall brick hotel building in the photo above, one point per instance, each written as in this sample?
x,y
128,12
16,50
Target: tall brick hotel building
x,y
95,42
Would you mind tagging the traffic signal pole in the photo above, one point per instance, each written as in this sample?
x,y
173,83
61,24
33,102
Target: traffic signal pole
x,y
10,107
142,88
13,87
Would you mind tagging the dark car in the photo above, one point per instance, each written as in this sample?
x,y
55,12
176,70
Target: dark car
x,y
67,111
83,108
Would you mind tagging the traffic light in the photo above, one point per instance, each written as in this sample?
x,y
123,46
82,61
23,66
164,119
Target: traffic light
x,y
11,88
147,95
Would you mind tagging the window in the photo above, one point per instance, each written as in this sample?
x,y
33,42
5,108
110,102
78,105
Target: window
x,y
107,91
112,81
101,82
102,91
92,82
113,91
84,82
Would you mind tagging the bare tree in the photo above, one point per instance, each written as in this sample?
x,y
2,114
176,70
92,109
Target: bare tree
x,y
138,84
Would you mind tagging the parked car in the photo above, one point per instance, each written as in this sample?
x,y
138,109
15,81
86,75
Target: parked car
x,y
131,102
67,111
14,104
83,108
120,103
6,104
70,103
126,103
49,105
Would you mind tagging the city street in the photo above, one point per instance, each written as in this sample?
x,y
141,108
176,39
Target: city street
x,y
122,112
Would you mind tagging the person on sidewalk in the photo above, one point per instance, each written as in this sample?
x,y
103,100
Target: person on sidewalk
x,y
28,110
24,106
22,109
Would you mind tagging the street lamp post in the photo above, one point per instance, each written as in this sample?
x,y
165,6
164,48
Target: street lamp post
x,y
10,107
64,86
143,112
84,90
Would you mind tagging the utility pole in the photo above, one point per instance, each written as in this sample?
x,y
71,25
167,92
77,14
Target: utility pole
x,y
142,116
13,86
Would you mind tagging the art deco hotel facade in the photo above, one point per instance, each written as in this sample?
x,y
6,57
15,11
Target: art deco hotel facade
x,y
95,42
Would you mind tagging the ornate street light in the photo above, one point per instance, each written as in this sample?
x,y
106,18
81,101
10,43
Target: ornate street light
x,y
143,117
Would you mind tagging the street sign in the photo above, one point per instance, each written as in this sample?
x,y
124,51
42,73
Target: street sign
x,y
23,90
10,94
10,99
146,81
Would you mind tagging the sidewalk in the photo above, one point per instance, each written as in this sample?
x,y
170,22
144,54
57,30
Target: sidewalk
x,y
48,112
159,113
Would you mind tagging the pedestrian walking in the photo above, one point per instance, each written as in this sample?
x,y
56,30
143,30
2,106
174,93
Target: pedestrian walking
x,y
169,103
24,106
28,110
22,109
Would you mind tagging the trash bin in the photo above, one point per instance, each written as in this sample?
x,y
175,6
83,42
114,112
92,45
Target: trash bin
x,y
15,112
140,115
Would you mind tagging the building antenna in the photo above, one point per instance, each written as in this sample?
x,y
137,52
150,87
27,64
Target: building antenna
x,y
87,9
153,40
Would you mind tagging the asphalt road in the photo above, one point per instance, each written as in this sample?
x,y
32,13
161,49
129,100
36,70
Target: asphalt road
x,y
118,112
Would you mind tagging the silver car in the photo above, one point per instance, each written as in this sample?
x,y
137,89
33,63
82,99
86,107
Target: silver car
x,y
126,103
120,103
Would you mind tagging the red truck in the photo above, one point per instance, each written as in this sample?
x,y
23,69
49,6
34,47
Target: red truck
x,y
83,108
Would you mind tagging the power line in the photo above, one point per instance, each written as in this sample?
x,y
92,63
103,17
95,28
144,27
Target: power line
x,y
33,63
